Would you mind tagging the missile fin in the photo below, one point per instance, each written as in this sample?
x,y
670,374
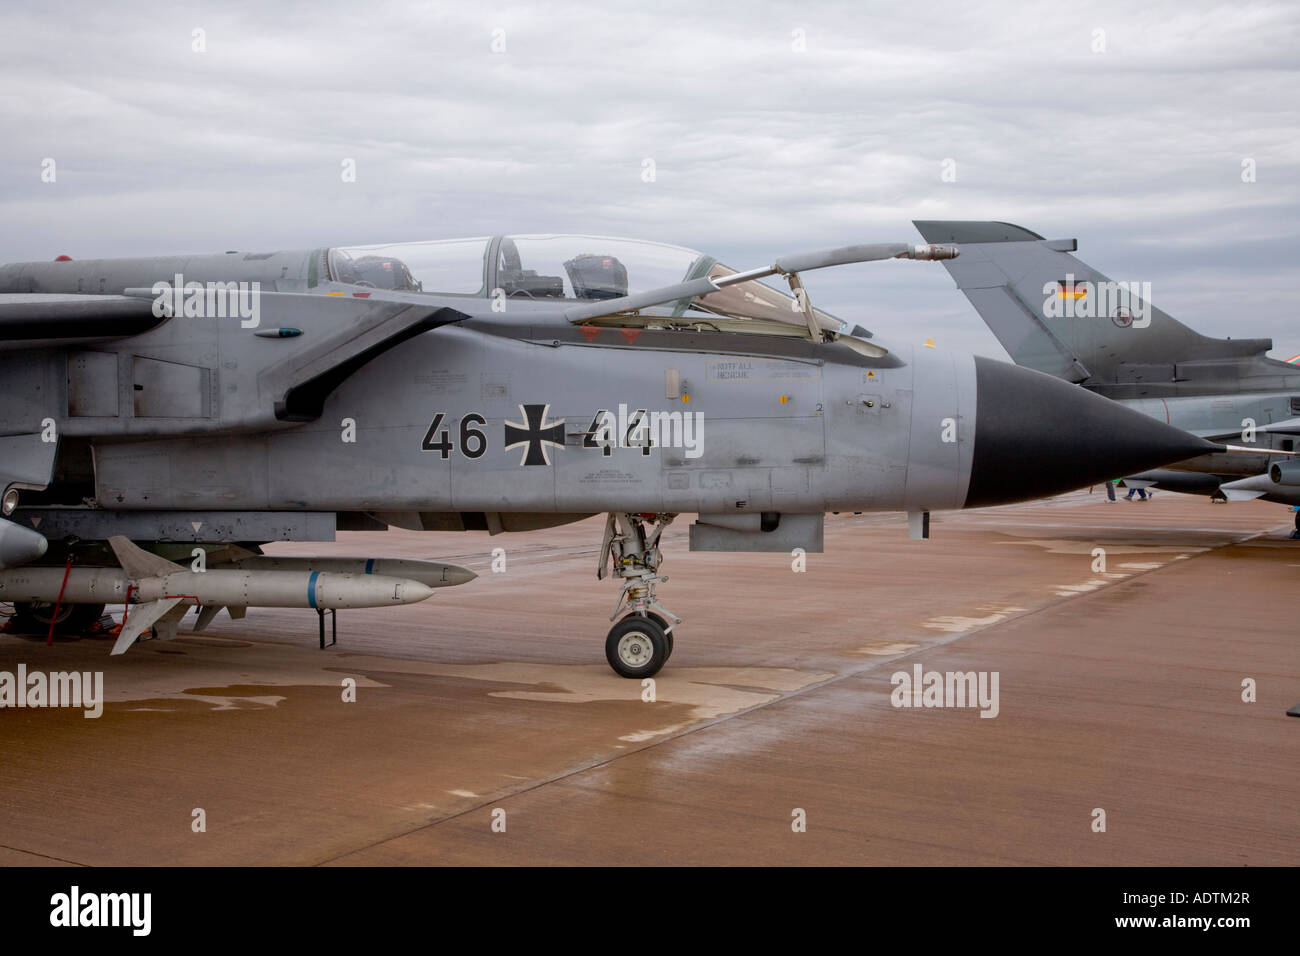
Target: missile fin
x,y
139,618
166,626
139,563
206,614
236,613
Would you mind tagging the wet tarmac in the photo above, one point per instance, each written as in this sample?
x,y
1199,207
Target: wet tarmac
x,y
488,729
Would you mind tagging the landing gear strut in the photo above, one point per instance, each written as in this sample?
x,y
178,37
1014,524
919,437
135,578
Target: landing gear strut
x,y
641,643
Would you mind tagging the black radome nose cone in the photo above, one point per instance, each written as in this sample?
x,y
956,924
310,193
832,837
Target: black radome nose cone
x,y
1036,436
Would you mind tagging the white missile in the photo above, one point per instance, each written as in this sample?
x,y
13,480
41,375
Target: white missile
x,y
316,589
158,592
436,574
108,585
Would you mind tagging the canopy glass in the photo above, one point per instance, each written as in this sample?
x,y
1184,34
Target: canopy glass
x,y
565,268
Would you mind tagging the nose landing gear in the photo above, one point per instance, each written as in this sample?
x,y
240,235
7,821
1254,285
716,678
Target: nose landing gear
x,y
642,641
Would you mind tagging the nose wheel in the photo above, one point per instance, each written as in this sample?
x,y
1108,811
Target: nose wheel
x,y
637,646
642,641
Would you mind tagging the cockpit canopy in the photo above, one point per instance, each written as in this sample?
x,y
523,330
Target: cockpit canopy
x,y
559,269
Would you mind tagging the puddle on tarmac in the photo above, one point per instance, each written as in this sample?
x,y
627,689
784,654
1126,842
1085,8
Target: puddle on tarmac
x,y
709,692
1069,590
1085,546
885,648
956,624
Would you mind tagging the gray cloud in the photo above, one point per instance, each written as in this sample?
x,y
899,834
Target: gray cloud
x,y
759,149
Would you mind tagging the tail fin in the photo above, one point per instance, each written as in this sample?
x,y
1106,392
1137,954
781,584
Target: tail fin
x,y
1058,315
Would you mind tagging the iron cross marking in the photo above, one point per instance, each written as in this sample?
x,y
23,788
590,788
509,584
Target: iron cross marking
x,y
536,434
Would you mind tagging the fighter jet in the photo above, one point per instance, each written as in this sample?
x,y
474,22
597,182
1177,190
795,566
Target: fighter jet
x,y
193,408
1058,315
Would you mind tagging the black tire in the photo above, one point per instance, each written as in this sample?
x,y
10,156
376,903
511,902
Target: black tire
x,y
34,618
636,647
668,635
1297,520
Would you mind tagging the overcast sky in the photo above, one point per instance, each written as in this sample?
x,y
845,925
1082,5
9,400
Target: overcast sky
x,y
772,128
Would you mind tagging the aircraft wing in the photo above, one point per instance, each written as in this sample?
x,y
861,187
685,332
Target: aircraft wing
x,y
40,320
339,334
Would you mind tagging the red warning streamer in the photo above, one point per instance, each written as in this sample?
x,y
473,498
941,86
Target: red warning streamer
x,y
49,638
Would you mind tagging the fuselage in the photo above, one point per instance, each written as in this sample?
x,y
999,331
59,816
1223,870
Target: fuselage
x,y
501,408
1242,415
